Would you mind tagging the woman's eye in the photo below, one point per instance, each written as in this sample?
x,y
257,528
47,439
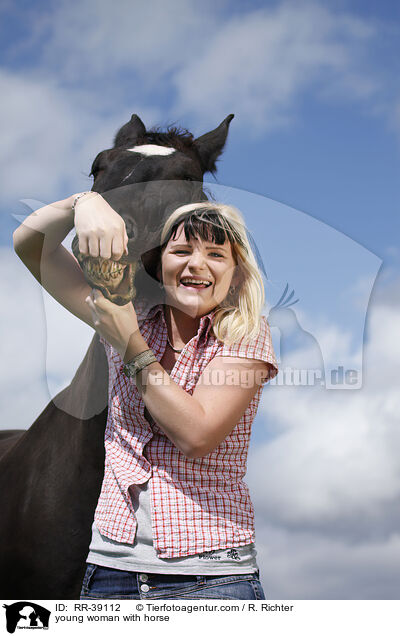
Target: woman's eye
x,y
181,252
216,254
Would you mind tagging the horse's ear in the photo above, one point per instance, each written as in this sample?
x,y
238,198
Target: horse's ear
x,y
212,143
130,132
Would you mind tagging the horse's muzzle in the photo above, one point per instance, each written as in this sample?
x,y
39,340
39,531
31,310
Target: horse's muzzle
x,y
115,279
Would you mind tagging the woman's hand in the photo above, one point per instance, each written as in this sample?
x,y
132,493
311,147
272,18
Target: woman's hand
x,y
101,231
115,323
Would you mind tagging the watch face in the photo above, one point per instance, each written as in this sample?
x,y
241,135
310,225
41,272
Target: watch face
x,y
130,369
137,364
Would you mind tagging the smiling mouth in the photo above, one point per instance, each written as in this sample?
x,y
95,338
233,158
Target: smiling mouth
x,y
193,283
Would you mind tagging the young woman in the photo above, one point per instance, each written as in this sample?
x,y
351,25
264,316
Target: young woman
x,y
174,519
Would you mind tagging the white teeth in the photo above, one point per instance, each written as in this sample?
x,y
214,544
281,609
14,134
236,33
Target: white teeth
x,y
196,281
104,269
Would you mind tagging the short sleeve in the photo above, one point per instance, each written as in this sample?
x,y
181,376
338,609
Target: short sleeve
x,y
259,348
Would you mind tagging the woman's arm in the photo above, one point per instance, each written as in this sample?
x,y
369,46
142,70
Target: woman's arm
x,y
38,240
196,423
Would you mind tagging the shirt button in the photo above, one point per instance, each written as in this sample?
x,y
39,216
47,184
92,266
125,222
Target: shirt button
x,y
144,587
143,577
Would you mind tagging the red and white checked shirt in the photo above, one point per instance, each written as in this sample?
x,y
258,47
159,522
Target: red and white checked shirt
x,y
198,504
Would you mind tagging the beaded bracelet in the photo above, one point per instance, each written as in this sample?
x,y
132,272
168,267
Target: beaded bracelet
x,y
82,194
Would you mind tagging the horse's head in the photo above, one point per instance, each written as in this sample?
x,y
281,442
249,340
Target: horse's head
x,y
144,177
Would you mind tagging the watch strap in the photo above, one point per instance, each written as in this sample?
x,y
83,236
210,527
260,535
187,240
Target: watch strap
x,y
138,363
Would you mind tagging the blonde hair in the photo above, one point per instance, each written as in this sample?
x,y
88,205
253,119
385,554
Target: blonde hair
x,y
238,316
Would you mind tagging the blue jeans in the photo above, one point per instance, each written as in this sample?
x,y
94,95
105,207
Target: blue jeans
x,y
102,582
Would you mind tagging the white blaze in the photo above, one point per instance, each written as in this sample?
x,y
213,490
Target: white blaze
x,y
150,150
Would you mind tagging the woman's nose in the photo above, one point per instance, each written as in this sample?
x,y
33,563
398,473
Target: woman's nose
x,y
196,259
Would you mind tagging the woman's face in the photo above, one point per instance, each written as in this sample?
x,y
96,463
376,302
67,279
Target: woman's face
x,y
196,274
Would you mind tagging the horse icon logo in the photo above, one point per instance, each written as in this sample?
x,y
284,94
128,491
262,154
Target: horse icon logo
x,y
300,352
26,615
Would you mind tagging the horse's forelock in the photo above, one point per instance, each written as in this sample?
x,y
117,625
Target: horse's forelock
x,y
174,137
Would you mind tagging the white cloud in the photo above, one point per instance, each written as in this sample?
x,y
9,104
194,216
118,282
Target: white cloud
x,y
34,142
42,345
259,63
101,38
23,393
253,62
256,63
306,565
50,135
326,488
78,90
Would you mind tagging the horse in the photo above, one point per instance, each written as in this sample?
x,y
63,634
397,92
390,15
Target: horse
x,y
51,474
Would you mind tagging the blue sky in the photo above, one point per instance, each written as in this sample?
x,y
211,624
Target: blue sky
x,y
313,157
324,141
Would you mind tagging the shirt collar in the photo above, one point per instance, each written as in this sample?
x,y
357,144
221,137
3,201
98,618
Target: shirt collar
x,y
147,312
205,325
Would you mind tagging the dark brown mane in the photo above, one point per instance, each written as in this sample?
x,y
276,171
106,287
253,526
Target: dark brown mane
x,y
174,137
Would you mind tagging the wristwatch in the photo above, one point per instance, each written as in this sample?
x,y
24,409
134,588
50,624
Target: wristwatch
x,y
138,363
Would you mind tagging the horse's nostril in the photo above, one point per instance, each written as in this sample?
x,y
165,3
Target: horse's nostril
x,y
131,227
